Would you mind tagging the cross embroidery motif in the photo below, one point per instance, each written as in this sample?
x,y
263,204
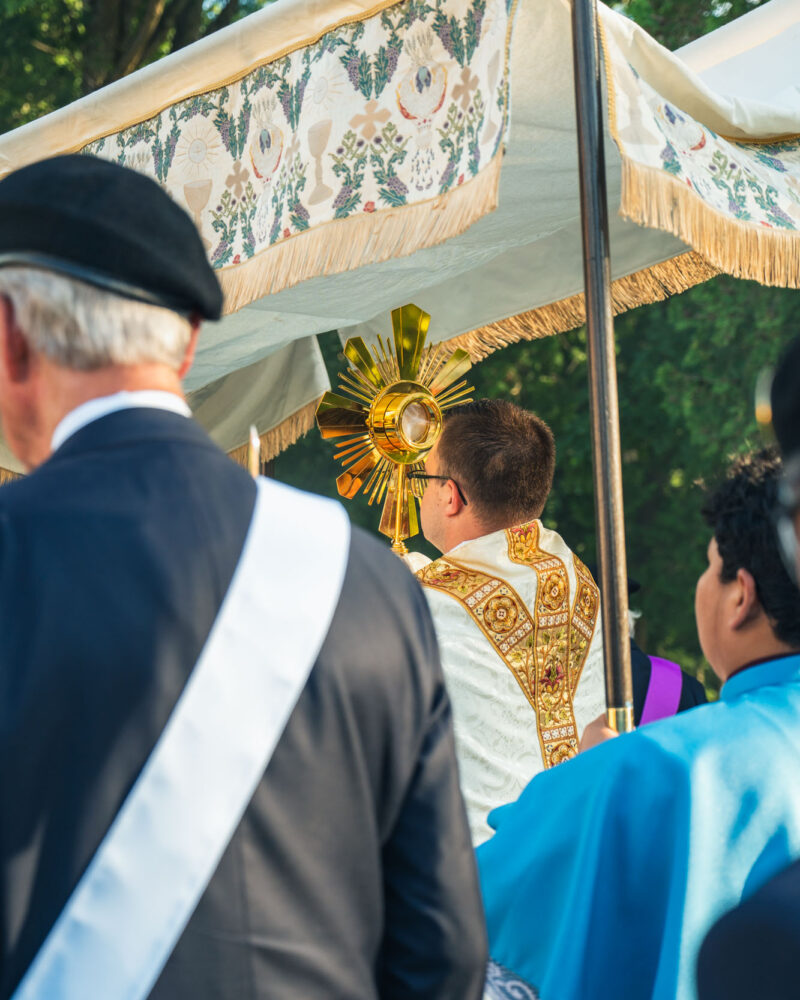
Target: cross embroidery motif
x,y
463,91
371,121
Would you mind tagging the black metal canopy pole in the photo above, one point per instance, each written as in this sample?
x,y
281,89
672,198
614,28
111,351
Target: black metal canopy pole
x,y
606,456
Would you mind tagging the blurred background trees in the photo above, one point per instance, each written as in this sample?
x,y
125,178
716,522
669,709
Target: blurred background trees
x,y
687,366
55,51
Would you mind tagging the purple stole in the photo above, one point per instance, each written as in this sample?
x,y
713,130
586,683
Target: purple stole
x,y
663,691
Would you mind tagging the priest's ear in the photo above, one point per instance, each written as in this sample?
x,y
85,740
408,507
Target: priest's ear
x,y
744,599
15,352
454,501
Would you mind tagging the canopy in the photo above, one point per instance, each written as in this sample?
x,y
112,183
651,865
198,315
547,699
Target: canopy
x,y
343,157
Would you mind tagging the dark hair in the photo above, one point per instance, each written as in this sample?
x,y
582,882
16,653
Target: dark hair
x,y
740,513
502,456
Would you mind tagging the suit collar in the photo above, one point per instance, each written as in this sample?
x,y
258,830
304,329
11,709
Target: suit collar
x,y
130,426
93,409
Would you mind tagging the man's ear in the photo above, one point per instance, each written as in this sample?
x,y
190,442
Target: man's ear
x,y
453,502
15,352
191,347
746,605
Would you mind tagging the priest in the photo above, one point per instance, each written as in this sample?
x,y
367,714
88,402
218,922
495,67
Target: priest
x,y
604,876
517,613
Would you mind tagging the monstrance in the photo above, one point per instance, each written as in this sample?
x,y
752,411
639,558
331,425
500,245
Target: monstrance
x,y
391,416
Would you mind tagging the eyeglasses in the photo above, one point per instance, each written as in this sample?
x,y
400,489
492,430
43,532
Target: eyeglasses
x,y
447,479
785,512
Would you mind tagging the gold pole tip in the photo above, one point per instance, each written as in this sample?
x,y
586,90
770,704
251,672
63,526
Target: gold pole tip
x,y
621,719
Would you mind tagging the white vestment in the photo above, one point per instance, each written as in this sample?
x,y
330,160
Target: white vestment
x,y
517,616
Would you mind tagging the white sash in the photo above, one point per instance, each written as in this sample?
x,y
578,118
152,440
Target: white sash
x,y
125,916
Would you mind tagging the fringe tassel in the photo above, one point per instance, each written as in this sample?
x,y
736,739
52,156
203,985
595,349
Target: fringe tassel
x,y
274,441
743,249
641,288
345,244
7,476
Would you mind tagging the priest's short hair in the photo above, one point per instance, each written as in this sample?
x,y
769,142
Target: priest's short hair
x,y
502,456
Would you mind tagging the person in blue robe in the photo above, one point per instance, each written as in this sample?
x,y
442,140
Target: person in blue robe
x,y
754,950
602,879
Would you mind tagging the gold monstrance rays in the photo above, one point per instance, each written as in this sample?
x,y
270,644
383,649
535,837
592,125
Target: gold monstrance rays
x,y
391,416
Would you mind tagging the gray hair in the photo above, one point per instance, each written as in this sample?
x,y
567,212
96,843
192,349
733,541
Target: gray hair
x,y
83,327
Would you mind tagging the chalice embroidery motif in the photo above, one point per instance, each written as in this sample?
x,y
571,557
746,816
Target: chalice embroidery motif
x,y
196,154
328,90
318,136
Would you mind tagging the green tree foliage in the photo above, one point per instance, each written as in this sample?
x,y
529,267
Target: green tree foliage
x,y
677,22
54,51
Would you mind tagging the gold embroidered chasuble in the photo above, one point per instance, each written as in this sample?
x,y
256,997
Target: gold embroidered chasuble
x,y
517,617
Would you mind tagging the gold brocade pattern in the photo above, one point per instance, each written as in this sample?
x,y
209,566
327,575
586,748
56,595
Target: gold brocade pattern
x,y
499,612
583,621
545,652
558,733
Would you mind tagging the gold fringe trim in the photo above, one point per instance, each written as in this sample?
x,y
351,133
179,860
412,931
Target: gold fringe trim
x,y
653,284
345,244
7,476
743,249
274,441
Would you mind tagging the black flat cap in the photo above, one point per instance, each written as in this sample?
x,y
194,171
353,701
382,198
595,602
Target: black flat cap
x,y
786,401
108,226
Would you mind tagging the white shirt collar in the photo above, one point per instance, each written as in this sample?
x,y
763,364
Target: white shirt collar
x,y
93,409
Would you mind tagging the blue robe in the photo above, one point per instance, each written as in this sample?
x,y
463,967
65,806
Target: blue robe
x,y
604,876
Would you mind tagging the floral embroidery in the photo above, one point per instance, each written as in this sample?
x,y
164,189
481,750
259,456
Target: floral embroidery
x,y
381,113
554,589
583,621
545,651
501,614
491,603
561,639
752,182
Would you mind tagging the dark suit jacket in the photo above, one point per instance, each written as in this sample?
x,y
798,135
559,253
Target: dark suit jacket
x,y
753,952
351,874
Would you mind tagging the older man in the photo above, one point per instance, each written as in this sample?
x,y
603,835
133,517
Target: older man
x,y
211,784
603,878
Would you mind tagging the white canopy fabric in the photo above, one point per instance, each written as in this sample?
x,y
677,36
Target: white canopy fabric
x,y
535,287
275,134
